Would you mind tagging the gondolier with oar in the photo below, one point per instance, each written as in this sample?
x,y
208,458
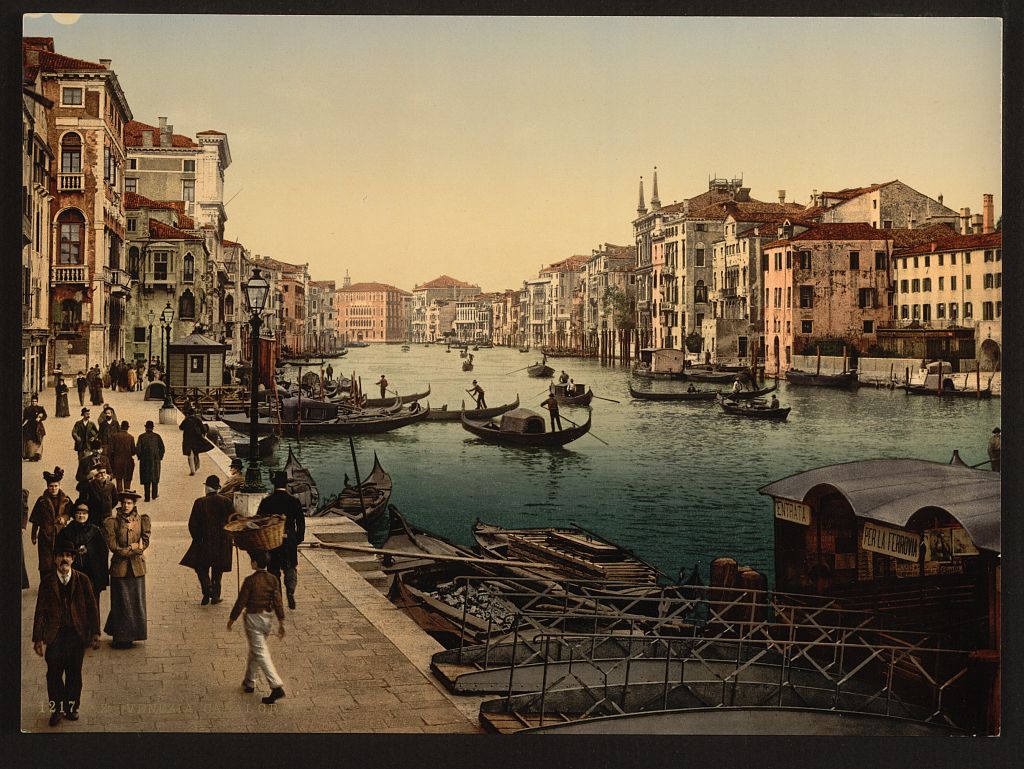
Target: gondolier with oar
x,y
551,404
478,393
383,384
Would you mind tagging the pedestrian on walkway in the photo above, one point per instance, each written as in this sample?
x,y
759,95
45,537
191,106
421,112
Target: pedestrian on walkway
x,y
210,552
67,620
95,382
21,539
81,384
140,374
32,430
50,513
235,479
99,494
995,448
260,596
150,450
286,557
91,555
84,433
62,409
193,439
551,404
122,457
127,536
107,425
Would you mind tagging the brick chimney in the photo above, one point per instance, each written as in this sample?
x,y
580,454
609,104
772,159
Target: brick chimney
x,y
165,132
988,218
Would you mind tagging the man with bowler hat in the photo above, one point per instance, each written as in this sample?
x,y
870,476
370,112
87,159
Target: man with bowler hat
x,y
66,621
84,433
286,557
210,552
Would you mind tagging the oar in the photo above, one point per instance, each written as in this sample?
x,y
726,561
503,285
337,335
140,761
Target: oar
x,y
517,370
607,399
589,432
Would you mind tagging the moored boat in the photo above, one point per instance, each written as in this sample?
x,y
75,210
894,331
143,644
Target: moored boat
x,y
744,395
372,494
378,402
352,424
645,373
522,427
806,378
755,410
581,396
444,414
265,445
711,377
696,395
540,371
301,484
467,366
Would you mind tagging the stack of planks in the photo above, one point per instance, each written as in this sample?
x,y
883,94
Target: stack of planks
x,y
579,557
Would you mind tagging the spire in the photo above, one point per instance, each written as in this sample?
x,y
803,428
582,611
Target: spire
x,y
347,282
655,203
641,209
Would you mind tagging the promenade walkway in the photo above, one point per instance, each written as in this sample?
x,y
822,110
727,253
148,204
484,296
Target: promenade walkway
x,y
350,660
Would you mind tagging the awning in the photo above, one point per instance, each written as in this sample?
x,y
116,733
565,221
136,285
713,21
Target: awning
x,y
892,490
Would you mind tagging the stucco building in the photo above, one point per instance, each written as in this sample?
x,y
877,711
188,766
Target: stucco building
x,y
886,206
321,324
441,288
373,312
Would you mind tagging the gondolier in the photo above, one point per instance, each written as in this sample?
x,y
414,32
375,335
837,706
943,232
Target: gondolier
x,y
551,404
383,384
286,557
478,394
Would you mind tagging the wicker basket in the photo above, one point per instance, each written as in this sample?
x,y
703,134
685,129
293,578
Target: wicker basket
x,y
264,532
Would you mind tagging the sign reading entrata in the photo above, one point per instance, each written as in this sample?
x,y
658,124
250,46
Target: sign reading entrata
x,y
797,512
894,542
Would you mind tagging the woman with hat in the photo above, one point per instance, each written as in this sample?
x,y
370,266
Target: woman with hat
x,y
50,512
127,537
95,381
32,431
193,439
91,554
62,398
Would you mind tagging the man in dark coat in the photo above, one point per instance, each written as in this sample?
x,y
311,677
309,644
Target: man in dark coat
x,y
193,439
100,495
84,433
210,551
81,383
286,557
150,450
108,425
66,621
122,456
92,557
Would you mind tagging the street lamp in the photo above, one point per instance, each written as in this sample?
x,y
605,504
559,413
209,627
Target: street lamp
x,y
166,318
149,360
256,291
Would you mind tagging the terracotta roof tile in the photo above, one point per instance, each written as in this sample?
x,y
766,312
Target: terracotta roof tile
x,y
570,264
211,132
133,200
38,43
133,136
227,242
54,61
372,286
158,229
853,192
957,242
844,231
445,281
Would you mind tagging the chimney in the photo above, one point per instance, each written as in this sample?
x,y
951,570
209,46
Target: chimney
x,y
782,196
163,123
987,213
976,225
940,198
105,63
965,221
743,195
814,197
147,138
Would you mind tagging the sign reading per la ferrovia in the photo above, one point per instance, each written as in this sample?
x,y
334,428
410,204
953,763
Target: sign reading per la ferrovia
x,y
797,512
897,543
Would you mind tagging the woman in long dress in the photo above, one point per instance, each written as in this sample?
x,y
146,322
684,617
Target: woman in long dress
x,y
127,537
95,381
49,515
92,557
193,438
62,399
32,430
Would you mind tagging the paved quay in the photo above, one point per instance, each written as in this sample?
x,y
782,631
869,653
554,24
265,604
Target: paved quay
x,y
350,660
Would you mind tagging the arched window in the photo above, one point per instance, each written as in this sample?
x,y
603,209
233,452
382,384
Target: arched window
x,y
187,305
133,262
70,314
71,154
72,236
189,268
700,292
229,306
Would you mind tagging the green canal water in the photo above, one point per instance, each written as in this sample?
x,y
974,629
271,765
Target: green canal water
x,y
677,483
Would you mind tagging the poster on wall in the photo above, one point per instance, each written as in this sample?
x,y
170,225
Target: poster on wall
x,y
938,545
962,543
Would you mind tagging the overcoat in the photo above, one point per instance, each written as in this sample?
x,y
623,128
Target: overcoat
x,y
83,434
150,449
107,426
101,497
211,545
193,438
281,502
127,538
32,427
44,515
94,561
85,615
122,449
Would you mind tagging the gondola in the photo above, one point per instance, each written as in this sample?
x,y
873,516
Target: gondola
x,y
443,414
405,348
467,366
755,411
844,379
644,373
378,402
746,395
376,493
540,371
522,427
358,344
948,392
265,446
341,425
301,484
524,349
409,538
583,398
698,395
711,377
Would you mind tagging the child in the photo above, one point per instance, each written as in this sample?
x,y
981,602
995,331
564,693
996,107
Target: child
x,y
260,593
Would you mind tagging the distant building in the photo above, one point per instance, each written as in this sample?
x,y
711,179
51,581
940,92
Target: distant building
x,y
885,206
609,269
289,296
321,326
441,288
565,290
373,312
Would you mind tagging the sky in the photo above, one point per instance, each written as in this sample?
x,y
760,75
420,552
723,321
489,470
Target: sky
x,y
403,148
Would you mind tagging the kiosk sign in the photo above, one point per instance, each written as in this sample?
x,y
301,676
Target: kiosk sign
x,y
892,542
796,512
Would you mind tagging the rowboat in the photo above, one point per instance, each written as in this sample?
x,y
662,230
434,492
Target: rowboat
x,y
265,445
301,484
697,395
755,411
844,379
583,398
947,392
522,427
443,414
744,395
939,381
467,366
376,493
353,424
524,349
405,348
409,538
540,371
358,344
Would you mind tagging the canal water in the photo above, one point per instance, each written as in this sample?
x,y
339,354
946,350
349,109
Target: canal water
x,y
676,483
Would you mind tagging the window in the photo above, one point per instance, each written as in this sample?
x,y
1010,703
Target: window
x,y
188,268
987,311
700,227
915,285
196,364
952,258
698,259
915,261
778,261
967,283
940,310
880,261
999,280
71,154
71,97
915,312
72,234
904,286
999,254
70,314
187,305
940,260
874,204
941,279
887,224
789,296
764,262
989,256
805,326
968,310
904,262
131,224
188,166
866,298
188,190
778,297
806,297
140,334
904,311
926,313
999,309
869,327
160,263
132,163
926,284
106,164
131,185
700,292
987,280
805,260
953,311
927,261
952,282
967,260
133,262
855,260
789,259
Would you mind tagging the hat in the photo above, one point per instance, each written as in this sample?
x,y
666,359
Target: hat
x,y
81,506
128,494
35,397
236,463
55,477
85,411
92,474
65,544
280,479
213,481
149,424
474,381
995,429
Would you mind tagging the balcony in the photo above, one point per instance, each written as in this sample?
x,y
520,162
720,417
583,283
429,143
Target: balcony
x,y
918,325
70,328
69,273
119,280
727,293
70,182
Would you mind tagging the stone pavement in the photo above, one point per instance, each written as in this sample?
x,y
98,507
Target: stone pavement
x,y
351,662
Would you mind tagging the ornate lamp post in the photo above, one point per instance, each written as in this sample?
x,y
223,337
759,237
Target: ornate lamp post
x,y
149,360
166,318
256,292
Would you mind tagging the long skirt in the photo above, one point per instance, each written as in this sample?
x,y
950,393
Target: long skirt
x,y
33,450
62,406
96,395
127,618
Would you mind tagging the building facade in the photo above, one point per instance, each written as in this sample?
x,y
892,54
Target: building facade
x,y
322,327
373,312
442,288
885,206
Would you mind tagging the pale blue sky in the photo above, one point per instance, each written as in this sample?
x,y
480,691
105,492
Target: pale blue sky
x,y
401,148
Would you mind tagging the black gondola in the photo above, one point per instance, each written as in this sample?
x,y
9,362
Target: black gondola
x,y
522,427
443,414
582,396
844,379
376,493
697,395
540,371
755,411
301,484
